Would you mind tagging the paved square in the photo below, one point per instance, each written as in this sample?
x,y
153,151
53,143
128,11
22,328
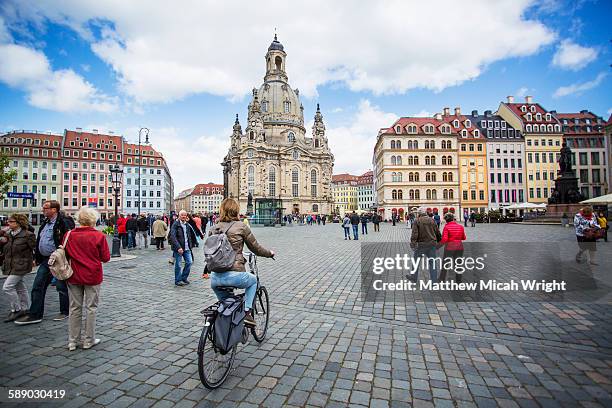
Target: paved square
x,y
325,346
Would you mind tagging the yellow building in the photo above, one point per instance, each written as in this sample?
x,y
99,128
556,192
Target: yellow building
x,y
345,192
472,155
543,138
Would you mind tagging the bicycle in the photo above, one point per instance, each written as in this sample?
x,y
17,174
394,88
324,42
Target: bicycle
x,y
213,365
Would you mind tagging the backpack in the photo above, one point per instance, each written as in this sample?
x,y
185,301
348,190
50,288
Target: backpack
x,y
59,265
218,252
229,323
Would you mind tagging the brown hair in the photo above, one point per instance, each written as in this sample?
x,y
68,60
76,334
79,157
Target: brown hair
x,y
588,210
229,210
22,220
54,204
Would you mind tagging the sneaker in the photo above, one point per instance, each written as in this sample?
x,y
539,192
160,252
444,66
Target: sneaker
x,y
179,283
249,321
88,346
27,319
72,346
12,316
186,282
60,317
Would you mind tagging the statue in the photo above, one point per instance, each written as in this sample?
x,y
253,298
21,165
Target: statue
x,y
555,197
565,160
573,196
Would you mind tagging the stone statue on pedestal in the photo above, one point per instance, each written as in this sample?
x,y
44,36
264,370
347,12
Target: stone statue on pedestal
x,y
565,159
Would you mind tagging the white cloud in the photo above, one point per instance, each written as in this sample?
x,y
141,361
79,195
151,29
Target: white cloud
x,y
573,56
522,91
579,87
353,143
62,90
337,110
178,51
610,111
422,114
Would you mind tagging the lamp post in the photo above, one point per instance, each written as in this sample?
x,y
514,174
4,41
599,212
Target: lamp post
x,y
116,178
146,131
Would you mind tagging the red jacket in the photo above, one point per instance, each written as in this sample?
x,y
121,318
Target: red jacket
x,y
87,249
452,235
121,225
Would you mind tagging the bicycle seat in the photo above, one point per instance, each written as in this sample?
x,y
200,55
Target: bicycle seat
x,y
226,288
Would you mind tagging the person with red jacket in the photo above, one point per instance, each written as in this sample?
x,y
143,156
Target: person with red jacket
x,y
86,248
122,230
452,235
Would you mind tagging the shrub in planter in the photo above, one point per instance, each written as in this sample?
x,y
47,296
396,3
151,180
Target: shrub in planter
x,y
110,230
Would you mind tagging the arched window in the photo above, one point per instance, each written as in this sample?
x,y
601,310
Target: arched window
x,y
432,144
410,161
528,117
295,182
434,194
429,129
394,194
450,176
416,144
398,129
445,194
412,129
539,117
456,123
313,183
287,106
296,154
523,108
557,128
315,208
444,176
542,128
411,194
251,179
399,176
399,160
416,160
417,194
411,176
446,129
316,142
416,176
533,108
444,161
272,181
550,128
450,193
250,153
428,176
433,160
400,194
278,61
468,123
449,160
548,117
394,176
393,144
291,137
251,135
464,133
428,194
433,176
398,144
427,144
393,160
476,133
427,161
527,128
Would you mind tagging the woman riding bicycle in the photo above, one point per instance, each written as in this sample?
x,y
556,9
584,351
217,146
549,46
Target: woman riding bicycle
x,y
238,234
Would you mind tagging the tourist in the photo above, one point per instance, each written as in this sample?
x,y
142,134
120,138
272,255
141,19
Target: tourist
x,y
346,225
437,219
376,222
473,219
143,232
364,223
86,248
355,224
466,217
603,224
160,229
423,241
122,231
238,235
131,225
182,238
452,235
195,229
50,236
393,219
203,223
586,227
323,218
18,255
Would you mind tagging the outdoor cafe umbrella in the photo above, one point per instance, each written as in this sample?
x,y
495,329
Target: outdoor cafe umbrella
x,y
602,200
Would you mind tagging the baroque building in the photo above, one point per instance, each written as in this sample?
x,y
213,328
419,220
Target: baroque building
x,y
273,167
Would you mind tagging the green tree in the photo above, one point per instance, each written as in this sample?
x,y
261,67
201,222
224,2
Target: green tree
x,y
6,174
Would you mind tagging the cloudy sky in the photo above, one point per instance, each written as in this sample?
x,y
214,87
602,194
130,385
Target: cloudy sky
x,y
185,69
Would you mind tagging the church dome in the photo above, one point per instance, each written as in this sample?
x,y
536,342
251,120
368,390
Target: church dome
x,y
276,45
277,99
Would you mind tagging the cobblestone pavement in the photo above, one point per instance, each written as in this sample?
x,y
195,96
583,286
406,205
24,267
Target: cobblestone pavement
x,y
325,346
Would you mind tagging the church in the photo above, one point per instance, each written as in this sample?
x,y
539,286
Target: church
x,y
273,168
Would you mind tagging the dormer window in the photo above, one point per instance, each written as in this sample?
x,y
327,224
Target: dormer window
x,y
476,133
456,123
539,117
398,129
446,129
532,108
428,128
528,128
412,129
529,117
548,116
503,124
523,108
468,123
464,133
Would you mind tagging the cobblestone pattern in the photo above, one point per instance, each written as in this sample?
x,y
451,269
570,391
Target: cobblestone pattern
x,y
324,347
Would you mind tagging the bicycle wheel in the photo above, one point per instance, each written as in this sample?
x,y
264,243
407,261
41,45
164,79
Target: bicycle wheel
x,y
261,314
213,366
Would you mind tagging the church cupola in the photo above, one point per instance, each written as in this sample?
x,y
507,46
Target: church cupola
x,y
275,62
237,128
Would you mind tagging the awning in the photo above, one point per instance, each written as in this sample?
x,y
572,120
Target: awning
x,y
605,199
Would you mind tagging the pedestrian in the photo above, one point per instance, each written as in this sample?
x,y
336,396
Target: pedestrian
x,y
603,224
376,221
203,223
355,225
466,217
437,219
18,256
131,225
160,229
87,249
198,222
182,239
346,225
50,235
473,219
393,219
143,232
586,227
364,223
452,235
423,240
323,218
122,231
564,220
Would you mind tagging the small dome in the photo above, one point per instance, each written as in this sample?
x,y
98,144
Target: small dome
x,y
276,45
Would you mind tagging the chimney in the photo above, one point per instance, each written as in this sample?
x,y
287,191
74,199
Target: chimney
x,y
457,111
438,116
529,99
446,111
487,113
94,131
110,132
510,99
79,130
553,112
474,113
584,111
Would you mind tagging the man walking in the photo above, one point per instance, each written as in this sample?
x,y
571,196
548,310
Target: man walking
x,y
131,226
423,241
122,231
182,238
50,236
376,222
355,224
473,219
364,224
465,218
143,232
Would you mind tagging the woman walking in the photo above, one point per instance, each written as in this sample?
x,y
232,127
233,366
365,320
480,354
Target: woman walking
x,y
586,227
452,235
160,230
346,225
87,249
18,253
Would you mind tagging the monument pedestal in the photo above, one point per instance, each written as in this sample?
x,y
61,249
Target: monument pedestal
x,y
557,210
565,198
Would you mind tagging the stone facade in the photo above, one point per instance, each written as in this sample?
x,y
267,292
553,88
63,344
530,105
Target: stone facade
x,y
273,159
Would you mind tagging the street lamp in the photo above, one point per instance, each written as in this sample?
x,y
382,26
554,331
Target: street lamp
x,y
116,178
146,131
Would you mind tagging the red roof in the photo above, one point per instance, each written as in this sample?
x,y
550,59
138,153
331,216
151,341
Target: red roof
x,y
420,123
576,123
207,189
462,125
338,178
92,140
517,108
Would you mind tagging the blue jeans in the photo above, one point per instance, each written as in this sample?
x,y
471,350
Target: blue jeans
x,y
364,228
347,232
178,275
241,280
429,251
356,231
39,290
131,239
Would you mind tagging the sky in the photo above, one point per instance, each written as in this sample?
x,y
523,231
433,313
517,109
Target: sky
x,y
185,69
